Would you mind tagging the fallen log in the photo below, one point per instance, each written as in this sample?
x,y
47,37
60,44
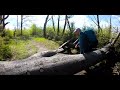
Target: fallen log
x,y
54,63
57,64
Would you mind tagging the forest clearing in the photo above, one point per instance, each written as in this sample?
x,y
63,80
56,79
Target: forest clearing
x,y
35,50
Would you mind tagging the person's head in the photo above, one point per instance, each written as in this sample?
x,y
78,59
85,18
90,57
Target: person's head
x,y
77,32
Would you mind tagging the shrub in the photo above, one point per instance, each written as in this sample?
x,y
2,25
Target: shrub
x,y
103,37
5,51
9,33
6,40
35,31
1,41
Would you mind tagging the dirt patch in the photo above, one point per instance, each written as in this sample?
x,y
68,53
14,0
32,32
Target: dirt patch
x,y
40,47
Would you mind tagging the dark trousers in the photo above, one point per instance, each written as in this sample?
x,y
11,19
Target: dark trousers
x,y
90,47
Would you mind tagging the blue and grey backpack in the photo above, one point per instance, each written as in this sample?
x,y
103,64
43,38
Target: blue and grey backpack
x,y
88,39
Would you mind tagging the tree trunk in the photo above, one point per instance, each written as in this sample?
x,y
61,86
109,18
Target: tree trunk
x,y
58,29
64,24
3,24
68,24
17,22
14,32
21,24
98,23
56,65
117,30
0,19
70,35
110,28
53,23
44,28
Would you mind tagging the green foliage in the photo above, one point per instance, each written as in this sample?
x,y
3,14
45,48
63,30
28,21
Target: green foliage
x,y
9,33
35,31
18,32
22,49
6,40
5,51
52,35
1,41
103,37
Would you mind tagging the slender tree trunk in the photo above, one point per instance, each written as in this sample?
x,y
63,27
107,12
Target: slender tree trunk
x,y
72,28
44,28
0,19
0,23
58,30
14,32
98,23
21,24
110,28
17,22
70,35
53,23
117,30
64,24
68,24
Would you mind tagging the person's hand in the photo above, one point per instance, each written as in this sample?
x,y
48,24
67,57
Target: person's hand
x,y
76,46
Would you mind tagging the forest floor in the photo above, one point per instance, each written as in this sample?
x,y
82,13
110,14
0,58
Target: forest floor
x,y
22,49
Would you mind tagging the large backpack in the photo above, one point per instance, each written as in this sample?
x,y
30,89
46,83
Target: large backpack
x,y
89,32
91,36
88,40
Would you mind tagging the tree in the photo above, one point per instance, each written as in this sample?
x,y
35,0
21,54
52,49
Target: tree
x,y
68,22
17,22
3,24
24,19
14,34
110,28
67,17
98,23
72,26
53,23
21,23
58,29
64,24
34,28
44,28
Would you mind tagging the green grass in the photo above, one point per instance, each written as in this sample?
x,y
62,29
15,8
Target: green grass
x,y
48,43
22,49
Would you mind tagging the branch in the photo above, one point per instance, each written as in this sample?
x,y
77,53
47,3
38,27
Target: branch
x,y
6,23
6,17
26,17
93,20
117,19
27,21
49,19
